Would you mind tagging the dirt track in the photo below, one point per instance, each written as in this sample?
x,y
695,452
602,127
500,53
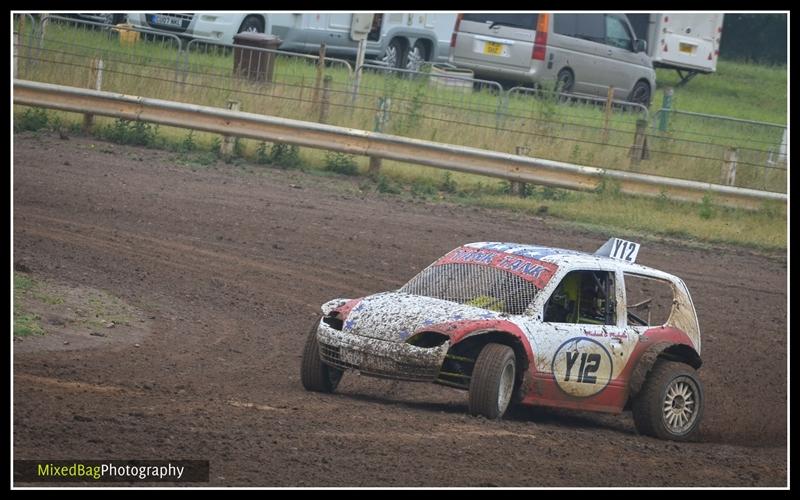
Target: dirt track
x,y
231,268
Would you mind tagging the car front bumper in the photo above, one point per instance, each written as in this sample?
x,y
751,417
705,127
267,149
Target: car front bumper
x,y
379,358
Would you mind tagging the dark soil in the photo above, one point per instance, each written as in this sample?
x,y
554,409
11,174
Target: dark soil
x,y
229,267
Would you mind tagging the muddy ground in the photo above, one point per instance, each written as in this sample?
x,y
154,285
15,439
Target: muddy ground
x,y
228,268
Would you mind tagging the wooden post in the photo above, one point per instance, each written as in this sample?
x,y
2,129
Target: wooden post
x,y
326,99
16,44
639,150
228,142
609,102
381,117
517,187
729,167
318,81
95,82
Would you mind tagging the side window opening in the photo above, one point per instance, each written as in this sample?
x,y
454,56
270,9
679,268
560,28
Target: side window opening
x,y
617,34
583,297
649,300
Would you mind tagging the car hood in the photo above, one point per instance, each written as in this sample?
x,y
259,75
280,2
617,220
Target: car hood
x,y
395,316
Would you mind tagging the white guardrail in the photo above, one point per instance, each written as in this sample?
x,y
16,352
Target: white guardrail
x,y
359,142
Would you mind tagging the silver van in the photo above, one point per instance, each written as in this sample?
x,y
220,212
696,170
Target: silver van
x,y
581,53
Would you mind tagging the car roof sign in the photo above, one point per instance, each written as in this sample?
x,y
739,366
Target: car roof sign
x,y
619,249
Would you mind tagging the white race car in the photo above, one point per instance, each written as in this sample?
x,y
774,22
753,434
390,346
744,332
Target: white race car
x,y
528,324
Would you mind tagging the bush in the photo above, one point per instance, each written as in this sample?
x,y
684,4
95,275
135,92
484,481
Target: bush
x,y
448,185
706,210
341,163
285,155
424,187
386,185
32,119
135,133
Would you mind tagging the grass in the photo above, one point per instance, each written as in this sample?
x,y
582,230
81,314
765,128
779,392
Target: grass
x,y
25,323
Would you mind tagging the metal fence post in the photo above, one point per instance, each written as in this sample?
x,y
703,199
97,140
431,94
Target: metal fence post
x,y
229,142
95,82
326,99
729,167
666,106
639,150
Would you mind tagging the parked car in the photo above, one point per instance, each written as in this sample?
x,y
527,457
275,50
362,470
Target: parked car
x,y
99,17
397,39
209,26
581,53
527,324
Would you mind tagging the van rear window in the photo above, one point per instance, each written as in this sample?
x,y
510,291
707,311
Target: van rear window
x,y
586,26
527,21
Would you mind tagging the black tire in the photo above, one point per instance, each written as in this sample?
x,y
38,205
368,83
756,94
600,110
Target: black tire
x,y
394,56
641,93
490,394
314,374
253,24
417,56
565,81
651,413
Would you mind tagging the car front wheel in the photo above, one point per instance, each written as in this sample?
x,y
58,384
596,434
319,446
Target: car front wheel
x,y
670,403
492,382
316,375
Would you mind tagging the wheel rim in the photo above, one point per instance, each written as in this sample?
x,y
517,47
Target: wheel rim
x,y
506,387
679,411
390,56
415,59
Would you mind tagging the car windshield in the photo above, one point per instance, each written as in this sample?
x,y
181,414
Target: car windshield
x,y
482,278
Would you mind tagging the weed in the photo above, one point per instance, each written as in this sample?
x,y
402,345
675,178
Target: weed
x,y
135,133
706,210
33,119
262,156
607,187
423,187
341,163
188,144
386,185
448,185
286,156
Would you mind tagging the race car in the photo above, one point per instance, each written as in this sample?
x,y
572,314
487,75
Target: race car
x,y
513,323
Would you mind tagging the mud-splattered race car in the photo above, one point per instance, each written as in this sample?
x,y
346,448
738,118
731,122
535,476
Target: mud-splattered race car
x,y
528,324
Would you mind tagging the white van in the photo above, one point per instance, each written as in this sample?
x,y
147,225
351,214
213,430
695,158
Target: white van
x,y
581,53
397,39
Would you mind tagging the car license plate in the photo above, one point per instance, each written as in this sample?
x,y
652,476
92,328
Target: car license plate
x,y
166,21
687,48
495,49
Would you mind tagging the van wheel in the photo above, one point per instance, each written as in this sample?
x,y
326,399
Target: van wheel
x,y
393,55
492,382
252,24
417,56
640,93
565,81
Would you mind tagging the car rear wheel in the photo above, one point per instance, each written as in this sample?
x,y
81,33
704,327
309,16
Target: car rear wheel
x,y
565,81
492,383
316,375
670,403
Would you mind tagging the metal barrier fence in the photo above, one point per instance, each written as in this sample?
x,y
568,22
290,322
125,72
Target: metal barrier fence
x,y
458,158
425,104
